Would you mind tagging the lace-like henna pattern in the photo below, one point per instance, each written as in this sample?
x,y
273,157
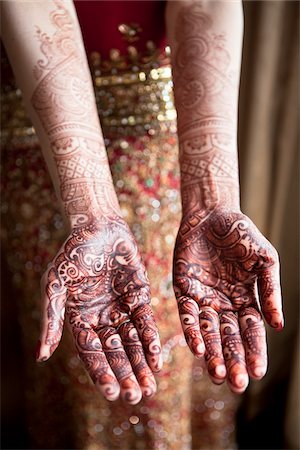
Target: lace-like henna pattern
x,y
100,279
205,86
220,256
64,101
86,186
97,278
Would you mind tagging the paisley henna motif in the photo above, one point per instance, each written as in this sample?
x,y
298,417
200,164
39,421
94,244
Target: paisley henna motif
x,y
220,257
217,264
99,278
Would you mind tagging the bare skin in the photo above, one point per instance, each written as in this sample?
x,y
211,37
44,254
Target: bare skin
x,y
220,257
97,283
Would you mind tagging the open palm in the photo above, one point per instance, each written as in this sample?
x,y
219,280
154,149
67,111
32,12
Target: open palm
x,y
218,264
100,283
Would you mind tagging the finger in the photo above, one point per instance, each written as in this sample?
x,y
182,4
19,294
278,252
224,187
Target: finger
x,y
254,339
210,330
144,322
134,350
91,354
189,317
118,361
234,353
268,283
53,312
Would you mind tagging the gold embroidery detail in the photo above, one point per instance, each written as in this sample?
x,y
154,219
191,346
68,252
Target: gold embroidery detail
x,y
134,95
130,31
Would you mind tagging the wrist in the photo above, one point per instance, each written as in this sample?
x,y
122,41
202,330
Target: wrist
x,y
90,203
208,195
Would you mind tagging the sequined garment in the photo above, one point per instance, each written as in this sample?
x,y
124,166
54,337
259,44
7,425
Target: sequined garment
x,y
137,113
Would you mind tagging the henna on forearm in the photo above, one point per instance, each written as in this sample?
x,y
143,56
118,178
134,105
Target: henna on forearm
x,y
220,256
97,280
206,81
64,101
61,99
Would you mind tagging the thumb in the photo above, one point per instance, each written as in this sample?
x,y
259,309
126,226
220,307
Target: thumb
x,y
270,296
53,313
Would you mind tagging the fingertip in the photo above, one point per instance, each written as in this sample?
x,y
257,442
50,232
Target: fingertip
x,y
112,398
194,340
134,401
44,351
155,363
199,350
111,393
276,321
280,323
220,371
42,359
218,374
240,383
132,396
280,327
149,388
258,372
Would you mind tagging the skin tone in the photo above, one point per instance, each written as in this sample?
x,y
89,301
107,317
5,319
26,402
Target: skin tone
x,y
97,283
226,274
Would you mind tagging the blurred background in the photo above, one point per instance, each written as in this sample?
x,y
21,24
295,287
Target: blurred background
x,y
269,170
268,416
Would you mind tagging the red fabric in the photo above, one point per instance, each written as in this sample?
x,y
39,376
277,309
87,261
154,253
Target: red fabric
x,y
99,21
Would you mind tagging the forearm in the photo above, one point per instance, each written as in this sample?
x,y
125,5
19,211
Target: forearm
x,y
45,47
206,41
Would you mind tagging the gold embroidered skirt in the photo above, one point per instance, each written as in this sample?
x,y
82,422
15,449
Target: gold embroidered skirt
x,y
63,410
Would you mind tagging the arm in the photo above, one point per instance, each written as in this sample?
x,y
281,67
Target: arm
x,y
206,42
49,62
97,277
220,256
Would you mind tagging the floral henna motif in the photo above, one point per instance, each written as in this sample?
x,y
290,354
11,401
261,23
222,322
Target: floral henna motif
x,y
206,86
220,256
217,264
65,104
98,276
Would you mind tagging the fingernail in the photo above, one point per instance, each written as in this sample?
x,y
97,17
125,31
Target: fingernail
x,y
241,381
259,372
220,370
280,325
200,349
37,350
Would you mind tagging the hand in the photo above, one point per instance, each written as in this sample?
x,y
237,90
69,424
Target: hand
x,y
218,262
98,278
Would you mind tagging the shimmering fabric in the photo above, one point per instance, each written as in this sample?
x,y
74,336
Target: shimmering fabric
x,y
100,21
63,408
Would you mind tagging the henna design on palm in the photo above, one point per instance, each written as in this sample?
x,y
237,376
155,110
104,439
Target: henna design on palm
x,y
218,262
98,281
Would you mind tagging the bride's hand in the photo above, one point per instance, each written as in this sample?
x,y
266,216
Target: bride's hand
x,y
99,283
218,262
